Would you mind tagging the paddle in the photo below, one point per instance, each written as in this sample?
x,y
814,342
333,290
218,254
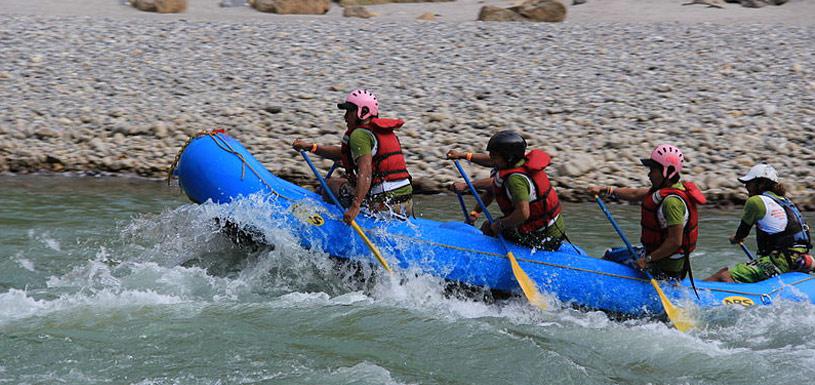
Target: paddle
x,y
331,170
747,251
354,224
527,285
463,208
681,320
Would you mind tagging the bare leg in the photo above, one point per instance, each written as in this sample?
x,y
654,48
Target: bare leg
x,y
722,275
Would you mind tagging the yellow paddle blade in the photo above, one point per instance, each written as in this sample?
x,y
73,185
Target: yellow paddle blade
x,y
680,319
527,285
371,246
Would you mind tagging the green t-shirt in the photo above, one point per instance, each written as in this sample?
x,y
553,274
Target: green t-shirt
x,y
518,187
673,208
362,142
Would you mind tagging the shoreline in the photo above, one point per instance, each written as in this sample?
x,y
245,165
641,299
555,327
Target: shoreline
x,y
571,196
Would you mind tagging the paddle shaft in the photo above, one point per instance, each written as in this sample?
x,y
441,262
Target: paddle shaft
x,y
747,251
463,207
354,224
321,179
477,198
616,227
331,170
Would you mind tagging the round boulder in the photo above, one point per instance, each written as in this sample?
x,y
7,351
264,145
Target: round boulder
x,y
542,10
357,11
493,13
293,7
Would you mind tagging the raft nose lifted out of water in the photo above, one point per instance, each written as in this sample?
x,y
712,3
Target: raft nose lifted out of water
x,y
213,166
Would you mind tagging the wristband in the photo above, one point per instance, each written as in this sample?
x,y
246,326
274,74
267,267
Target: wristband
x,y
475,214
469,156
313,148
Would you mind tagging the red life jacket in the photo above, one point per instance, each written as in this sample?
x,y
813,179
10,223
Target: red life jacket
x,y
388,162
545,207
653,235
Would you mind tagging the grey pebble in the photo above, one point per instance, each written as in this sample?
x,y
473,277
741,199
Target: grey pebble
x,y
120,95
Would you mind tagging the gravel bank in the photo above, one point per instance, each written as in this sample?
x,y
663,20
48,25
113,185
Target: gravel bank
x,y
100,94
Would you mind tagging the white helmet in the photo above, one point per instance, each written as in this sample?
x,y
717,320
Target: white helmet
x,y
761,170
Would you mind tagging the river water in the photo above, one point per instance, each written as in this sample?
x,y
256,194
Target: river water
x,y
123,281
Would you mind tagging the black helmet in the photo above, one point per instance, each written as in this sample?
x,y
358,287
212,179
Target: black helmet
x,y
510,144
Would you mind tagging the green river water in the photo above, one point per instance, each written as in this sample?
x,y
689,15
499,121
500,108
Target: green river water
x,y
123,281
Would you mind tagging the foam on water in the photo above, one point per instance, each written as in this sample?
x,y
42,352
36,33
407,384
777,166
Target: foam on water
x,y
25,263
179,257
18,304
362,373
45,238
288,271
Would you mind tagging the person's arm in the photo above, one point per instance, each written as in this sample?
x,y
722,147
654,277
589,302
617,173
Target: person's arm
x,y
479,159
520,189
487,197
461,187
631,194
754,209
518,216
324,151
741,233
667,248
364,170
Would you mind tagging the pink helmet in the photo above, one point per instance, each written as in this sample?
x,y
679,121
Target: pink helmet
x,y
666,155
363,101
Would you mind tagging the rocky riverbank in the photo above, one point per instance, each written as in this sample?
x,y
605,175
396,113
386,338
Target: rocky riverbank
x,y
106,95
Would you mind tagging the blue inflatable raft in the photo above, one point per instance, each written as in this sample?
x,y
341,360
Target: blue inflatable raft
x,y
215,167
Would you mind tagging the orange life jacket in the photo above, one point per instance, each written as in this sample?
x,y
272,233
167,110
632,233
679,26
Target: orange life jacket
x,y
653,235
545,207
388,162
